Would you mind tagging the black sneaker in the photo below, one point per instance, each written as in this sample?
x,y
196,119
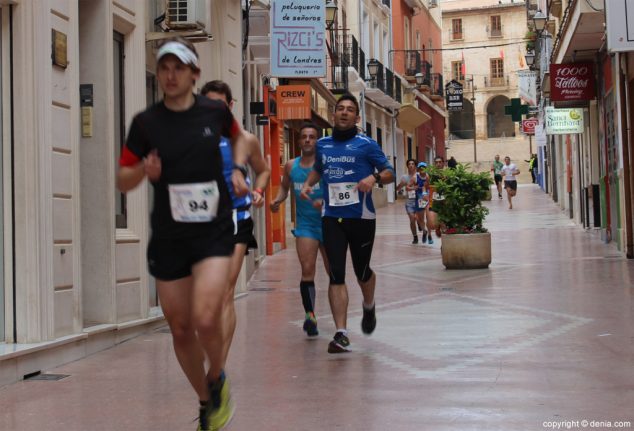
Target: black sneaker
x,y
368,323
415,240
424,236
339,344
310,325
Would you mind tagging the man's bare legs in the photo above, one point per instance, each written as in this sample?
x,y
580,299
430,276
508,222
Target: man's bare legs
x,y
338,298
510,193
229,319
176,303
211,282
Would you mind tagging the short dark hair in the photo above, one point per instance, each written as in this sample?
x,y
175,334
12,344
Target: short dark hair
x,y
411,160
441,158
218,86
309,125
350,97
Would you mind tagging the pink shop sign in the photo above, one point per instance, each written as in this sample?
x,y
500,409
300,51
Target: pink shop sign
x,y
572,82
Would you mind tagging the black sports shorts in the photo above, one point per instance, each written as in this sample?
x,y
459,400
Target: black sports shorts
x,y
510,185
244,234
339,233
171,259
497,178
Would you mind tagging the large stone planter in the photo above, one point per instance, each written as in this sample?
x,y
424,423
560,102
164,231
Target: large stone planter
x,y
466,251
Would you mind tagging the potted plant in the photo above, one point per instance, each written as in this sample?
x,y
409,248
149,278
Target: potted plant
x,y
466,244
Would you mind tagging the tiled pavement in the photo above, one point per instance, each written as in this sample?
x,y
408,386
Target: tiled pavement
x,y
546,334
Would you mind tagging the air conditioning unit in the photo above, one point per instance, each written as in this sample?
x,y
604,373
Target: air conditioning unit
x,y
433,3
186,15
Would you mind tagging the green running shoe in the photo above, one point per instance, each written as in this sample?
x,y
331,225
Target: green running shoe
x,y
223,404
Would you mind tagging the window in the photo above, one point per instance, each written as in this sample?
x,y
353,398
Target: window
x,y
379,137
496,26
456,70
119,122
456,29
497,71
368,130
407,34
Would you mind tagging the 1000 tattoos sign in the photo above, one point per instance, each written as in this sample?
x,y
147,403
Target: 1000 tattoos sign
x,y
298,42
572,82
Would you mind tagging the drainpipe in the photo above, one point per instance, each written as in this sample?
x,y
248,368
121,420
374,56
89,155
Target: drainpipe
x,y
362,94
625,144
394,111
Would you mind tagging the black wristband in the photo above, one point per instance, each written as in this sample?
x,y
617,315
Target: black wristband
x,y
377,177
241,168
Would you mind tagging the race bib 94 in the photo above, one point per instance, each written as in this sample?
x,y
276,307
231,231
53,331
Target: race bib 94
x,y
194,203
342,194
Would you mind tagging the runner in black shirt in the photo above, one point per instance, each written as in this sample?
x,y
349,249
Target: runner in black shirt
x,y
175,143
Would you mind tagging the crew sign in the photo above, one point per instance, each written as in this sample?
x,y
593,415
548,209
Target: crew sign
x,y
298,42
453,94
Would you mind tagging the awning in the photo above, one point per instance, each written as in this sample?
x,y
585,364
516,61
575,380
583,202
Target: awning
x,y
410,117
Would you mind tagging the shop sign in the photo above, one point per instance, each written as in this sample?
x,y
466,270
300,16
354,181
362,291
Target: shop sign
x,y
563,121
528,126
298,39
528,86
619,25
454,95
293,102
572,82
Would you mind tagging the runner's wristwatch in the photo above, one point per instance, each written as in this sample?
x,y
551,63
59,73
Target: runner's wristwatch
x,y
241,168
377,177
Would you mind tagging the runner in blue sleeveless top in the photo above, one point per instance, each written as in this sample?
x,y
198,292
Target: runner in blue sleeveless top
x,y
421,181
243,222
348,163
307,221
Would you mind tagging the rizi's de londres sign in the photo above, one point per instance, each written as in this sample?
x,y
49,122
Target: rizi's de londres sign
x,y
454,94
563,121
298,42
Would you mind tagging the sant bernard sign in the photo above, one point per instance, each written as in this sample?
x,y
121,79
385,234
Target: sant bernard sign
x,y
572,82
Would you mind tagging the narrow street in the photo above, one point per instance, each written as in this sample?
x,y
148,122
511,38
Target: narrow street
x,y
545,334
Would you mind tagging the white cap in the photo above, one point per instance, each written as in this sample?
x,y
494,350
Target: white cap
x,y
184,54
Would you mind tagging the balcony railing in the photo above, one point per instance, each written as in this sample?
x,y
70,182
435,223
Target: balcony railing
x,y
426,71
412,63
386,2
379,80
496,82
389,83
352,54
437,88
398,91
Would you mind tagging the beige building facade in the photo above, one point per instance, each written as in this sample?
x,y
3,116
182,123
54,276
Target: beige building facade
x,y
484,42
74,277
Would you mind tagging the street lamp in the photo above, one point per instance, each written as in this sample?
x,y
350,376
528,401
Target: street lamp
x,y
540,21
530,58
373,68
420,79
331,13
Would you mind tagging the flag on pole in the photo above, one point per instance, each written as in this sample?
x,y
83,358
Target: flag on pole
x,y
463,67
502,53
521,58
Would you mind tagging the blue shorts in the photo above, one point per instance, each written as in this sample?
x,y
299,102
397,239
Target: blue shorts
x,y
313,232
411,207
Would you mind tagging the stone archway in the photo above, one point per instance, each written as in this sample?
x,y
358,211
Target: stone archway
x,y
461,122
498,124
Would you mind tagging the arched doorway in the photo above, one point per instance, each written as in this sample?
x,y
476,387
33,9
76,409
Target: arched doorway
x,y
461,122
498,124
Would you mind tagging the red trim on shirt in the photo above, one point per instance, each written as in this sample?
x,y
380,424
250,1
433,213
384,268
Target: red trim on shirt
x,y
234,129
128,158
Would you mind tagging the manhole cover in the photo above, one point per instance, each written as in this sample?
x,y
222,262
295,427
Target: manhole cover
x,y
48,377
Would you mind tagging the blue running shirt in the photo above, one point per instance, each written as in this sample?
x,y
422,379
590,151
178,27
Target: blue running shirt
x,y
307,215
342,164
242,204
